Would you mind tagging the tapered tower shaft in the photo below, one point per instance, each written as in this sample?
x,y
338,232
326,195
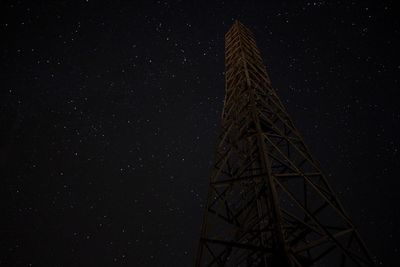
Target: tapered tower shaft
x,y
268,203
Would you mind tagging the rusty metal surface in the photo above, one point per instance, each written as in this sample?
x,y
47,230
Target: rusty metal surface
x,y
268,204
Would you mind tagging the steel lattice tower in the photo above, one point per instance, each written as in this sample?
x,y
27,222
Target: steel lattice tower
x,y
268,204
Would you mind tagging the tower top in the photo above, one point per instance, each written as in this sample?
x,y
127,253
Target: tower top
x,y
238,27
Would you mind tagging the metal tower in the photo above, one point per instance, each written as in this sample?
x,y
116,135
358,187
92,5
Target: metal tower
x,y
268,203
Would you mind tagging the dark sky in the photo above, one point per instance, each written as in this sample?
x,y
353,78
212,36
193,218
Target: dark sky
x,y
110,113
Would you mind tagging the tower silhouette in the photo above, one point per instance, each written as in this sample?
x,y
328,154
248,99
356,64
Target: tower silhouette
x,y
268,203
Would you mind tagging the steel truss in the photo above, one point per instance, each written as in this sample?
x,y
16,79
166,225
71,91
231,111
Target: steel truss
x,y
268,204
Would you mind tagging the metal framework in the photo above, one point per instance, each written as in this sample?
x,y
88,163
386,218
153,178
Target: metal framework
x,y
268,203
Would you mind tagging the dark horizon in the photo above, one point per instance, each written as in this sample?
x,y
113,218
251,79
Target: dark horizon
x,y
110,113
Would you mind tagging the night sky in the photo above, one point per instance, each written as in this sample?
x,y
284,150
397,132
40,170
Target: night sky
x,y
109,114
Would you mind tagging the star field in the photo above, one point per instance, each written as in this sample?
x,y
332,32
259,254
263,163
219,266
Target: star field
x,y
110,113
